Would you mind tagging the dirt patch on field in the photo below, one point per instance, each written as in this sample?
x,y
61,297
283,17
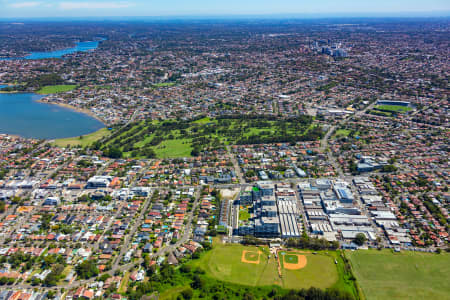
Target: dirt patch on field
x,y
251,257
291,264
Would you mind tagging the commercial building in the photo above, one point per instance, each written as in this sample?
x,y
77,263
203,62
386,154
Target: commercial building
x,y
99,182
51,201
267,223
288,214
246,197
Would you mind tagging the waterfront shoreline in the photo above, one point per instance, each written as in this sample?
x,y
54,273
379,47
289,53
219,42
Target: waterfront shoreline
x,y
18,136
50,53
4,85
74,108
38,99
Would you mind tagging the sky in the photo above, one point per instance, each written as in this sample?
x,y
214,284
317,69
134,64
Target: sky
x,y
140,8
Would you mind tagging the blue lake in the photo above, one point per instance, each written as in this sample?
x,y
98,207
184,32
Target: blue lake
x,y
80,47
20,114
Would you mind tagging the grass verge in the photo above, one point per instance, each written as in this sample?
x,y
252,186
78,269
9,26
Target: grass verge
x,y
85,140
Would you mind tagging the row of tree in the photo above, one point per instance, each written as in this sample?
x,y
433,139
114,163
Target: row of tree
x,y
313,243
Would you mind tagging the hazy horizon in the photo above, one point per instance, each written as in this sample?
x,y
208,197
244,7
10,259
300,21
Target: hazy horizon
x,y
13,9
343,16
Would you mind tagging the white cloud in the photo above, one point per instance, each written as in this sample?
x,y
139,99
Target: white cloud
x,y
92,5
24,4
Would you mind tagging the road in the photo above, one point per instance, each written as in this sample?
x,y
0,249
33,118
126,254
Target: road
x,y
301,210
324,142
234,215
128,238
237,168
108,226
187,229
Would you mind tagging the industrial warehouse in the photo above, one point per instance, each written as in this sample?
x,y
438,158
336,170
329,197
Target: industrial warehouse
x,y
275,211
327,208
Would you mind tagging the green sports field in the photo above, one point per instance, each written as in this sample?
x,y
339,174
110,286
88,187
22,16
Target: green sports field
x,y
54,89
393,108
320,271
406,275
224,262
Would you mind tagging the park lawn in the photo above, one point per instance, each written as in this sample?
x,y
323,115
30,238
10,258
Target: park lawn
x,y
393,108
173,148
124,283
320,271
406,275
54,89
342,132
204,120
255,131
244,215
164,84
85,141
145,140
172,293
345,133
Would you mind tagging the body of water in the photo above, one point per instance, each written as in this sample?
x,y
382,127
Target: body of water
x,y
80,47
20,114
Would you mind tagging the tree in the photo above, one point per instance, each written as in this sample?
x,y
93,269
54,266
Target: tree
x,y
45,221
389,168
149,153
186,269
198,283
51,294
353,167
113,152
187,293
360,239
54,276
3,173
104,277
87,269
250,173
195,152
